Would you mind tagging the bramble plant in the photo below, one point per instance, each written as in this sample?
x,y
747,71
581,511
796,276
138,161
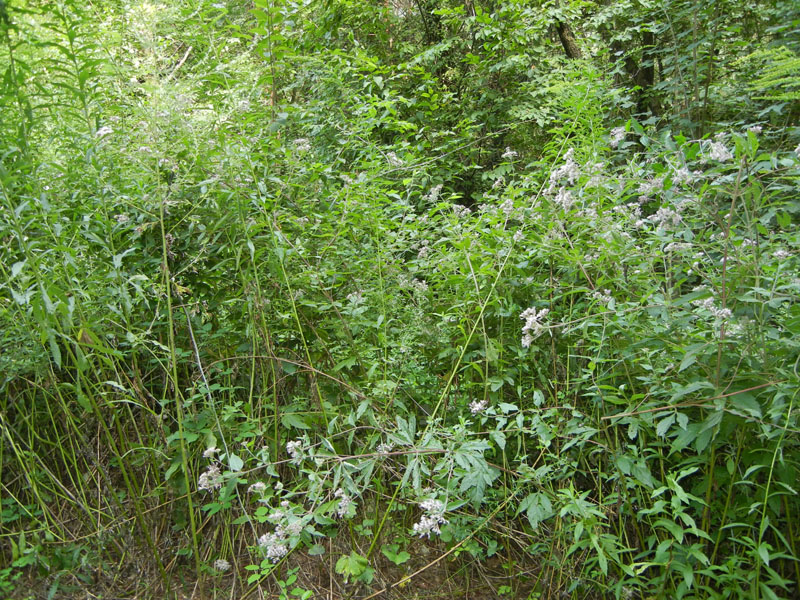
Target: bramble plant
x,y
356,299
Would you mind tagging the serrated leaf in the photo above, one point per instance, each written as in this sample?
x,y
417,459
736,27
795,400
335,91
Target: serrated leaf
x,y
664,425
499,439
747,404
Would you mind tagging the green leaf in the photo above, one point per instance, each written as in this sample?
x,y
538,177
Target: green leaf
x,y
763,552
293,421
746,403
235,463
397,557
352,565
664,425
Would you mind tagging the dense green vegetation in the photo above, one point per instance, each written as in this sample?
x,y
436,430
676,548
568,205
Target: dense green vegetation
x,y
443,298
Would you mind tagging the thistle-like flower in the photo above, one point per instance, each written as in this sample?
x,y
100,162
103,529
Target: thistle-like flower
x,y
533,326
259,487
476,407
295,449
210,480
717,151
344,502
617,135
222,565
433,518
274,545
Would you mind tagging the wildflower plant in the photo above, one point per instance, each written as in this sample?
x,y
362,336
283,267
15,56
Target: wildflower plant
x,y
324,301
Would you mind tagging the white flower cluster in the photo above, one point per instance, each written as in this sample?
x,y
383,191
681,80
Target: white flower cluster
x,y
344,502
433,195
683,175
419,285
461,211
666,218
394,160
210,452
507,207
355,297
385,447
797,151
259,487
509,154
533,327
755,129
222,565
274,544
103,131
433,518
617,135
781,254
651,186
709,305
564,199
476,407
210,480
717,150
570,170
604,297
295,449
677,247
302,145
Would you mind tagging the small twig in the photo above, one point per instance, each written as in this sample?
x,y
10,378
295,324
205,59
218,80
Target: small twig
x,y
179,65
702,404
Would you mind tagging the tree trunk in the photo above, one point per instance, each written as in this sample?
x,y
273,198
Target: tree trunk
x,y
568,40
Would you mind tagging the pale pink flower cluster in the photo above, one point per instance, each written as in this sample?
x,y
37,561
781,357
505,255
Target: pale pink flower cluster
x,y
709,305
533,326
718,151
259,487
295,449
210,480
617,135
564,199
433,518
603,297
570,170
394,160
385,447
344,502
461,211
433,195
222,565
509,154
781,254
476,407
274,544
